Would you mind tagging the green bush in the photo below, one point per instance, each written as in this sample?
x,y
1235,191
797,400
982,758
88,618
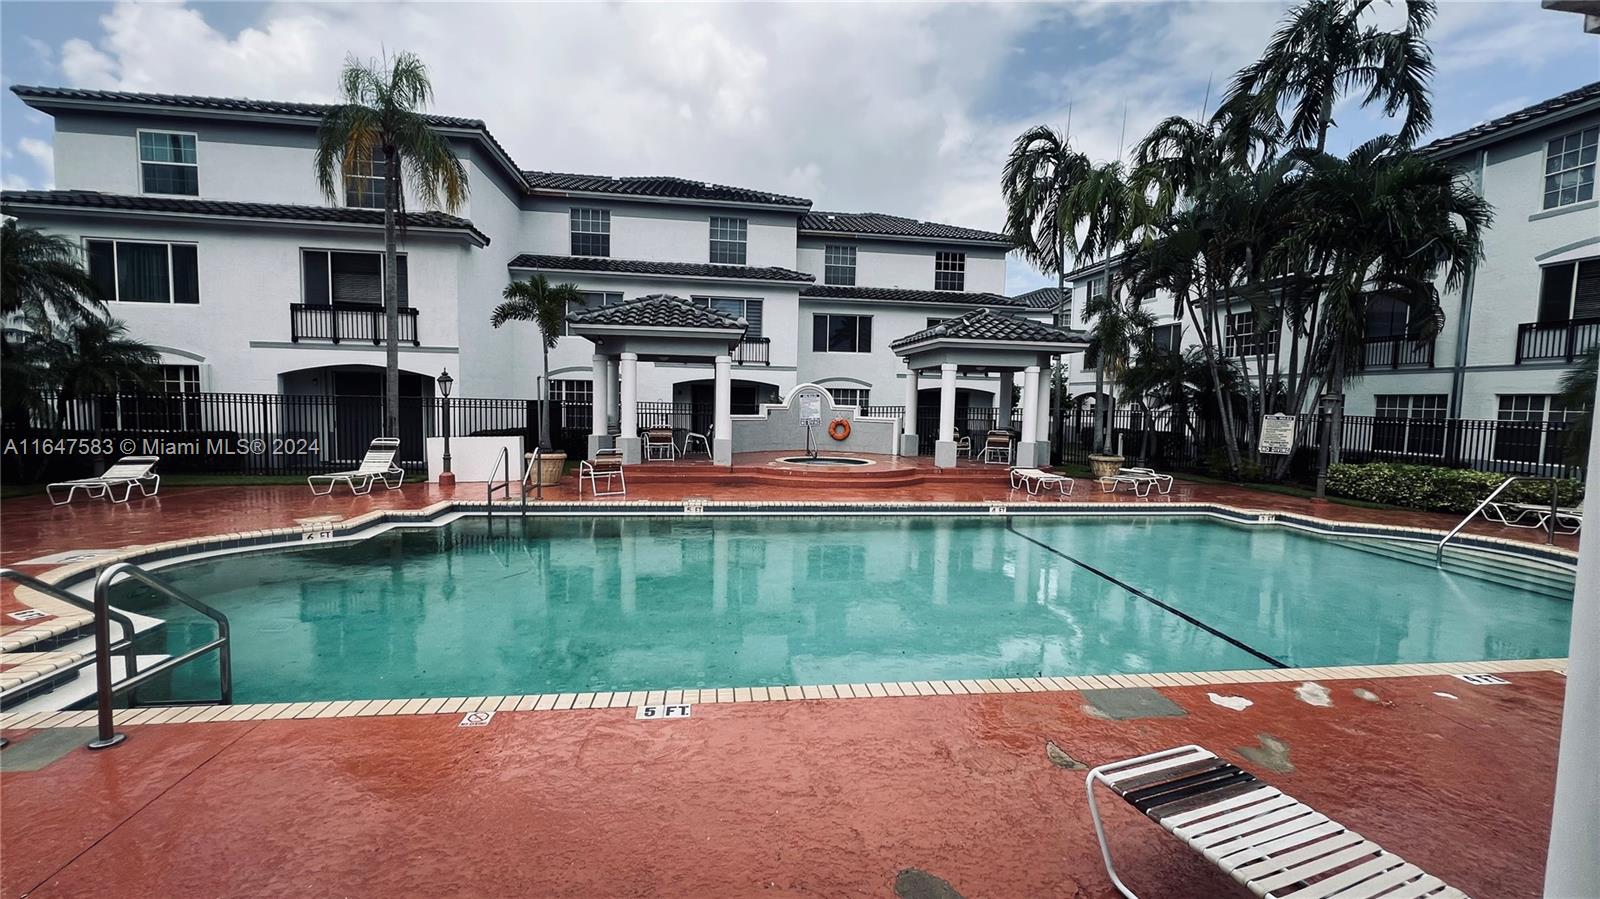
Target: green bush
x,y
1434,489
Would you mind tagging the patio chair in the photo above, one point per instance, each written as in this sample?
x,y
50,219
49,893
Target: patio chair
x,y
963,444
1273,845
691,438
1517,515
997,448
126,472
1035,480
658,445
1140,479
376,465
606,465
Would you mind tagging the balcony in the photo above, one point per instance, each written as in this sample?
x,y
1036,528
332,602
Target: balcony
x,y
753,351
348,321
1395,353
1559,341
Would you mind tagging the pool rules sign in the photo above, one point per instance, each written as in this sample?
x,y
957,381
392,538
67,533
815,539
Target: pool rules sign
x,y
1277,434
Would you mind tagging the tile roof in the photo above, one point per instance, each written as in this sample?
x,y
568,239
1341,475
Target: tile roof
x,y
646,267
1553,106
656,186
878,224
903,295
1042,298
658,310
89,199
993,327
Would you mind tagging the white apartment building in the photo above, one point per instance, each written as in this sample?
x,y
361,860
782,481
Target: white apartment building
x,y
202,219
1520,319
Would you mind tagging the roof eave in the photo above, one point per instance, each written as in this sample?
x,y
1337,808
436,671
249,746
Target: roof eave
x,y
1508,132
583,329
990,243
656,276
472,235
558,193
1026,346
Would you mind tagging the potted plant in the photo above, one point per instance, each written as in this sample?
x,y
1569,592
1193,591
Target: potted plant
x,y
537,300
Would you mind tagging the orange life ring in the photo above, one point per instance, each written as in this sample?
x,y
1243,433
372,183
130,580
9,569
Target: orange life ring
x,y
839,428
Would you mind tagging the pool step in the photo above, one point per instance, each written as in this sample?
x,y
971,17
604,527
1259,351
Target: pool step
x,y
1496,568
40,678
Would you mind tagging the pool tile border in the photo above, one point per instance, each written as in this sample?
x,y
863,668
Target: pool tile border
x,y
625,699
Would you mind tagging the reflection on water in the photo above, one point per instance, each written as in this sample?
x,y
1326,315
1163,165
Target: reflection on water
x,y
558,604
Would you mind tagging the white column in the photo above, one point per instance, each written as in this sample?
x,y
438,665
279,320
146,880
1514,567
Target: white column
x,y
1572,867
628,369
722,413
1042,417
613,398
944,450
1027,449
908,424
598,439
1003,403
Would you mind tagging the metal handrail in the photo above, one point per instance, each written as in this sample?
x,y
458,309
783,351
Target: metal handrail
x,y
1438,552
129,657
105,690
538,486
502,461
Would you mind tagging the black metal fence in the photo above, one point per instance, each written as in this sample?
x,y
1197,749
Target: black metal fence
x,y
1556,341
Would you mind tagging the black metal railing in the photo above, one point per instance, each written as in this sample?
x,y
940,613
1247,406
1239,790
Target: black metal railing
x,y
682,418
1395,352
1552,341
348,321
753,351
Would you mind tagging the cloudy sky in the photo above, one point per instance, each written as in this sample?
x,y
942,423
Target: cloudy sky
x,y
895,107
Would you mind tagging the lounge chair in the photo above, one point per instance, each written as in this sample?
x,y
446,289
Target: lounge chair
x,y
1518,515
1140,479
1035,480
606,465
376,465
691,438
997,448
127,472
658,445
1275,846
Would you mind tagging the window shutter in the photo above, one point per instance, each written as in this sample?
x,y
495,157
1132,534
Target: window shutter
x,y
1586,299
819,333
1555,293
185,274
866,335
103,267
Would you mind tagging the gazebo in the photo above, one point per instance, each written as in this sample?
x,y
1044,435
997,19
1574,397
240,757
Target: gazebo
x,y
983,342
657,328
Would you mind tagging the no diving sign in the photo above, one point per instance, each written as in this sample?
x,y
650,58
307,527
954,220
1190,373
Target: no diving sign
x,y
476,719
660,712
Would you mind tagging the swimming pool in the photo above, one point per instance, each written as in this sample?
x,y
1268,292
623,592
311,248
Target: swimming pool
x,y
561,604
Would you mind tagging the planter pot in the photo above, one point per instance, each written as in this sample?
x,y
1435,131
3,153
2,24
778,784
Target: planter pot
x,y
1104,466
550,468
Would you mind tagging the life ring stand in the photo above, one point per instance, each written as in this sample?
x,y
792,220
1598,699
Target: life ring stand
x,y
839,428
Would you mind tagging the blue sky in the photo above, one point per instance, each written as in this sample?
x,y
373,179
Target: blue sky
x,y
903,108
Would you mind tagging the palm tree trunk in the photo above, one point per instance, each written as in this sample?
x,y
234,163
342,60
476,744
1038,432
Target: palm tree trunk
x,y
544,399
391,298
1208,347
1056,391
1100,403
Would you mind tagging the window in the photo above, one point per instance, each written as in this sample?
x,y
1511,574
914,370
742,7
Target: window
x,y
936,321
357,278
832,562
839,265
1167,338
1386,317
749,310
129,271
168,164
841,333
1531,427
179,379
591,300
849,396
728,238
1569,168
591,232
576,399
363,180
1569,291
169,404
1097,287
1410,424
950,271
1242,338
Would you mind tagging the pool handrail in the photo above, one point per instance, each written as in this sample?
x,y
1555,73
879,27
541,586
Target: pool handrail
x,y
1550,539
503,461
105,690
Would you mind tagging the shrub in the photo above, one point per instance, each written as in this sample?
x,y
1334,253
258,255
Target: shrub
x,y
1434,489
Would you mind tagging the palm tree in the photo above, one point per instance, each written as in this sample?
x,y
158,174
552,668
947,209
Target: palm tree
x,y
381,130
537,300
1118,326
44,279
1578,392
1321,52
1039,181
1391,220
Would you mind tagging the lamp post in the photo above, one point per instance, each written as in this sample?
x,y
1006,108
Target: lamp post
x,y
447,478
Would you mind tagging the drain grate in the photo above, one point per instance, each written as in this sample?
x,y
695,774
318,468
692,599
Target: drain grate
x,y
1482,680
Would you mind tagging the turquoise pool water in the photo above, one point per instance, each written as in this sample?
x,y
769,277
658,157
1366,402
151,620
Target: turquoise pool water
x,y
574,604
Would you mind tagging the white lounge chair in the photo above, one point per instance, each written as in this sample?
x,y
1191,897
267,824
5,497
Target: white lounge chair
x,y
376,465
1518,515
1035,480
127,472
1140,479
997,448
1275,846
606,465
658,445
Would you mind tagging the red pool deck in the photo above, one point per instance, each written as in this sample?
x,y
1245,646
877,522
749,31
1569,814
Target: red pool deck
x,y
800,798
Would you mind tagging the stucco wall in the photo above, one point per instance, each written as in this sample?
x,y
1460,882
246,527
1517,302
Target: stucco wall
x,y
781,427
906,264
660,232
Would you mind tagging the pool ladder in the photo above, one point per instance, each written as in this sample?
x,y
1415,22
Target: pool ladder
x,y
502,470
105,689
1550,535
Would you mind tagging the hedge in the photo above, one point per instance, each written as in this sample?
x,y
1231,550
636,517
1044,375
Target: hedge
x,y
1434,489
